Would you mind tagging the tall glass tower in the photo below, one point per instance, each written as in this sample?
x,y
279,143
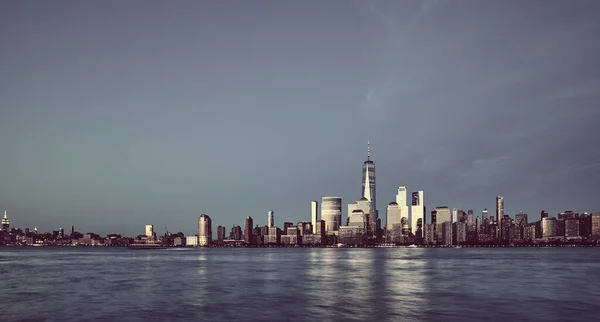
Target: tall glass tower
x,y
368,190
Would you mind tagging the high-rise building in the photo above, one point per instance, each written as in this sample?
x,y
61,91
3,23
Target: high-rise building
x,y
595,231
286,225
401,200
204,230
368,189
393,222
150,231
454,215
5,223
543,214
549,227
314,216
443,233
499,215
521,219
331,212
417,214
236,233
248,224
271,218
220,234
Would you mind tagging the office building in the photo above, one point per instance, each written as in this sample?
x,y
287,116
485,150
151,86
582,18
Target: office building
x,y
521,219
274,236
549,227
5,223
236,233
271,218
331,212
369,191
595,231
286,225
191,240
401,200
314,216
443,233
572,228
499,215
417,214
204,230
220,234
150,231
459,233
248,232
454,215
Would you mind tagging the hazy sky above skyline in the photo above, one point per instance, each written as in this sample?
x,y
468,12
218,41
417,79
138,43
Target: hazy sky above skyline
x,y
115,114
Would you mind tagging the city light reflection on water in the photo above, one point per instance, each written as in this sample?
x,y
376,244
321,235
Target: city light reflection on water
x,y
303,284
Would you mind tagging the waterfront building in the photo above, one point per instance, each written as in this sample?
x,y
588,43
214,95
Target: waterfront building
x,y
220,234
401,200
549,227
236,233
271,218
572,228
430,234
349,235
529,232
274,236
321,230
369,191
204,230
443,215
286,225
521,219
331,212
595,225
191,240
499,215
5,223
150,232
459,233
417,212
292,237
314,216
248,232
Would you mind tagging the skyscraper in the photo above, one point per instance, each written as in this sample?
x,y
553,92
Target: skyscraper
x,y
417,214
204,230
368,188
443,225
220,233
271,219
248,224
150,231
314,216
402,201
5,223
499,215
331,212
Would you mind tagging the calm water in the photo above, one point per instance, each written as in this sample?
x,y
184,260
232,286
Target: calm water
x,y
390,284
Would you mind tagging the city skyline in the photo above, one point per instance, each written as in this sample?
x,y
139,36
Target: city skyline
x,y
115,115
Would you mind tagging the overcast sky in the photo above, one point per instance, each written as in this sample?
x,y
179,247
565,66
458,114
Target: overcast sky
x,y
117,114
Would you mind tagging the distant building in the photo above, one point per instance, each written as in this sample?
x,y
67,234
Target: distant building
x,y
314,215
150,231
459,233
417,214
274,236
248,224
271,219
429,234
204,230
549,227
5,223
443,216
358,214
499,215
595,231
191,240
236,233
572,228
220,234
401,200
369,192
331,212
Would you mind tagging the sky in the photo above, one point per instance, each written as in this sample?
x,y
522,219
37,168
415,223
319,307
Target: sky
x,y
116,114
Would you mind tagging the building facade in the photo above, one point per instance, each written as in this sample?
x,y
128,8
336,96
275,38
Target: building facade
x,y
417,214
369,191
314,215
204,230
331,212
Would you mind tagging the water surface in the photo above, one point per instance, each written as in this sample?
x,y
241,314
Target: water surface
x,y
304,284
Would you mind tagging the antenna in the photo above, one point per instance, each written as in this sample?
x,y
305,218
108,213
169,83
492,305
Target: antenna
x,y
368,151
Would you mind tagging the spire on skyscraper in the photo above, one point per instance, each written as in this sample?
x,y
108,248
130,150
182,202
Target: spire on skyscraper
x,y
368,151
